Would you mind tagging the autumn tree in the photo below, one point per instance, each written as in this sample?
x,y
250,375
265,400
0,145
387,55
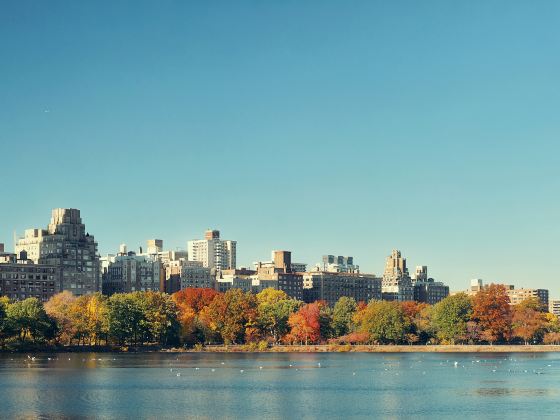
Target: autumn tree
x,y
450,317
418,315
384,321
305,324
195,298
160,312
527,320
59,307
492,312
232,315
342,314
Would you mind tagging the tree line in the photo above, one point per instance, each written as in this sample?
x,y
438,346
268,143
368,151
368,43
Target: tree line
x,y
195,317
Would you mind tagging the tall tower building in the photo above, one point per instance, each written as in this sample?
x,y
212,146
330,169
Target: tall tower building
x,y
66,246
213,252
396,283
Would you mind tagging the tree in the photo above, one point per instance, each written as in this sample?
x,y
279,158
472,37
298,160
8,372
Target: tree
x,y
552,338
384,321
195,298
126,318
492,312
274,310
418,315
160,311
27,319
59,307
527,320
305,324
450,317
232,315
343,312
4,302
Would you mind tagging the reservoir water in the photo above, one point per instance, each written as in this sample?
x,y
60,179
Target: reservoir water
x,y
280,385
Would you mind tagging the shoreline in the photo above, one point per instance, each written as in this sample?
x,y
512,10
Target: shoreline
x,y
313,348
326,348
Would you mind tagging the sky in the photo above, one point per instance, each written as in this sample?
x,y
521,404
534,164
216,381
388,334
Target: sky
x,y
320,127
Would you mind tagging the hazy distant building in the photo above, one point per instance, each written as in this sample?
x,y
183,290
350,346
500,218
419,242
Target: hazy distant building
x,y
331,286
397,284
426,289
195,275
20,278
213,252
67,247
279,274
338,264
554,306
127,272
517,296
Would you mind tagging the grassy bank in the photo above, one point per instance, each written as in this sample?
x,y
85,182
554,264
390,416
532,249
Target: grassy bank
x,y
388,349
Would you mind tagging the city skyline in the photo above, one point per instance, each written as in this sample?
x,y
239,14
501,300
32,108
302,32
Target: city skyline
x,y
313,127
158,245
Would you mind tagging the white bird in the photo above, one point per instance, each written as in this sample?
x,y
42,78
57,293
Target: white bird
x,y
260,367
178,374
241,371
456,363
213,370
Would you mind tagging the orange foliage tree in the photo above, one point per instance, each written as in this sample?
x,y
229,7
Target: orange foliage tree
x,y
305,324
527,320
492,312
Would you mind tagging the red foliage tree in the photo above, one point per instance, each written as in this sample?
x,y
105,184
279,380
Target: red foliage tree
x,y
305,324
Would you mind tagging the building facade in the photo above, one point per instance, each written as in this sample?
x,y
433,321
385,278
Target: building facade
x,y
128,272
213,252
66,246
195,275
329,287
396,283
21,278
338,264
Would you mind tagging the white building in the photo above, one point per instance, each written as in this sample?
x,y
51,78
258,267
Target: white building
x,y
554,306
213,252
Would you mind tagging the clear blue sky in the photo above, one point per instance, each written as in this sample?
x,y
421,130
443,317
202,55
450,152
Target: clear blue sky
x,y
347,127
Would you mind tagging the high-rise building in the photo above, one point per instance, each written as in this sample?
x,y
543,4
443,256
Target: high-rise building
x,y
154,246
396,284
66,246
213,252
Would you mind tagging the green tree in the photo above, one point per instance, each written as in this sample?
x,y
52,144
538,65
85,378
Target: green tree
x,y
342,315
126,318
384,321
273,311
450,317
27,320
